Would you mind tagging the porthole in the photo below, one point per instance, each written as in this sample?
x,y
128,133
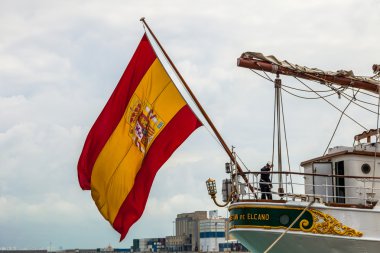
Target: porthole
x,y
366,168
284,219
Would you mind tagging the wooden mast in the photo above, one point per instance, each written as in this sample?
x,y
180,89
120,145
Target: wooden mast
x,y
211,124
325,77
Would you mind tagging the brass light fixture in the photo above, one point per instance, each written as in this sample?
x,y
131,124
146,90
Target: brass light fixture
x,y
211,188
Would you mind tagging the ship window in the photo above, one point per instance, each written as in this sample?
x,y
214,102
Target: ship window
x,y
366,168
284,219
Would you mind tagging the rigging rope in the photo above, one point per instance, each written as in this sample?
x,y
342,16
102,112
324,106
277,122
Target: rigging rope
x,y
286,141
326,83
288,228
323,81
341,116
332,105
319,91
377,141
308,97
266,78
274,131
368,94
267,75
346,96
274,124
332,90
352,97
242,162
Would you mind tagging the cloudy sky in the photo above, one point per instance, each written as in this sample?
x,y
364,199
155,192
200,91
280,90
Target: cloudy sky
x,y
60,61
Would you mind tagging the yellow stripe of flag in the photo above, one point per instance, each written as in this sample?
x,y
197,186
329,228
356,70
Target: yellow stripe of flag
x,y
124,151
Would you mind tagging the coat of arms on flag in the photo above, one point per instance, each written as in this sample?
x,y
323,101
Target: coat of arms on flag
x,y
144,123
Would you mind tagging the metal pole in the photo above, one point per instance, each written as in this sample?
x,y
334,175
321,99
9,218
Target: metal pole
x,y
279,153
221,140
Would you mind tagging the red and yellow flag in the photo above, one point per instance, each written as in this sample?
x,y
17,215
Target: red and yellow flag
x,y
142,124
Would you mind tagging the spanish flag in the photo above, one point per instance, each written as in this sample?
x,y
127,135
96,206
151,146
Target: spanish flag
x,y
142,124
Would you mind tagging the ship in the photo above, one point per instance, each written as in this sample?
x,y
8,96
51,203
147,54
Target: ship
x,y
337,208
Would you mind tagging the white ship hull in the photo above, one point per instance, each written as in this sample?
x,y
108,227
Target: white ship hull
x,y
331,229
258,240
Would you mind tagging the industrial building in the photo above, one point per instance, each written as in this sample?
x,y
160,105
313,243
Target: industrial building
x,y
187,224
197,232
149,245
212,232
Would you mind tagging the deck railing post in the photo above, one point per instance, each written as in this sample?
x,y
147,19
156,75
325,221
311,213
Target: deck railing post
x,y
327,194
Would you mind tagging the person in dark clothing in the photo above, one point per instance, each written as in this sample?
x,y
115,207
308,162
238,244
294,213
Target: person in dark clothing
x,y
265,183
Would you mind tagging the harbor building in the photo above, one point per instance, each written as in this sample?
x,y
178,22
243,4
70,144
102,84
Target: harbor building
x,y
212,232
232,245
149,245
177,243
187,224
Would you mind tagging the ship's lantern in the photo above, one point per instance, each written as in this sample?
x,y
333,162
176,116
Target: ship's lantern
x,y
211,186
228,168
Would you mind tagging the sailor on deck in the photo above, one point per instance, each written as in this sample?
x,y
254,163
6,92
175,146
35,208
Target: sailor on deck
x,y
265,182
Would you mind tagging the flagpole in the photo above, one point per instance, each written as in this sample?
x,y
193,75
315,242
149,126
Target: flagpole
x,y
220,138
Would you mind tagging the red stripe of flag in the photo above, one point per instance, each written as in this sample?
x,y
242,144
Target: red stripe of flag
x,y
112,113
171,137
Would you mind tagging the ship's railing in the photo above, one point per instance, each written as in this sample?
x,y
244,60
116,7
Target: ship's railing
x,y
357,190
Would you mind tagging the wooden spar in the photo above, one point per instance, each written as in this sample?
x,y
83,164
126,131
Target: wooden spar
x,y
221,140
340,80
366,134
